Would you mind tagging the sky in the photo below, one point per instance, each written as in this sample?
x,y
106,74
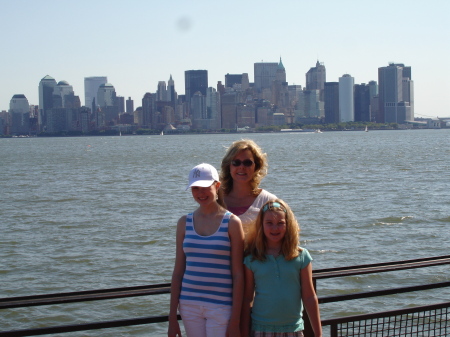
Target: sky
x,y
136,43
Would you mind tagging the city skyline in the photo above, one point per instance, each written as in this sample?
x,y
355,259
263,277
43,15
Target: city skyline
x,y
137,44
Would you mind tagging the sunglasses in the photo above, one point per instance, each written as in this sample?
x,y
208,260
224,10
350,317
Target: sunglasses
x,y
245,162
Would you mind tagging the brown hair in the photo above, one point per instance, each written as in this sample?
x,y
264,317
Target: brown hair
x,y
259,157
256,240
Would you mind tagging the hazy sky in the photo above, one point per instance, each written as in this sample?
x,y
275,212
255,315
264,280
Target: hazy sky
x,y
138,43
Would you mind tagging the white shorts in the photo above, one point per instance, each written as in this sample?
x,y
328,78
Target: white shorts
x,y
202,321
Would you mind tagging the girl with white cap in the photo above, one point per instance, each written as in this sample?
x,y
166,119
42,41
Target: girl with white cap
x,y
207,280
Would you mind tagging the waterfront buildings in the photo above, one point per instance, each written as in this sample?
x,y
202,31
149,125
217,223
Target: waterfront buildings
x,y
236,104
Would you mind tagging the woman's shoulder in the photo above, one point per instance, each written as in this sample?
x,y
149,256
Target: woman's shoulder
x,y
265,196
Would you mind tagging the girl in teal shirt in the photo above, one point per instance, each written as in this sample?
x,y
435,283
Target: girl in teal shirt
x,y
278,277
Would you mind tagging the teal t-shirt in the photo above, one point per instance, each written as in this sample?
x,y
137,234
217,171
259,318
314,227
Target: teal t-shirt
x,y
277,306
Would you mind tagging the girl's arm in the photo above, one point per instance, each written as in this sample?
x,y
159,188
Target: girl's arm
x,y
177,277
309,299
236,234
249,293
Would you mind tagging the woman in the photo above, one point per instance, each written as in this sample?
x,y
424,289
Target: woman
x,y
242,170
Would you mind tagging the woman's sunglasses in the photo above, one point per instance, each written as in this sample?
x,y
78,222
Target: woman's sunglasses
x,y
245,162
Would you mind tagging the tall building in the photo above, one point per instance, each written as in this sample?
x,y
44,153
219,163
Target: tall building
x,y
265,73
106,100
130,105
19,110
149,112
396,94
91,85
63,95
46,86
171,93
362,103
331,100
213,110
316,77
161,92
346,99
195,80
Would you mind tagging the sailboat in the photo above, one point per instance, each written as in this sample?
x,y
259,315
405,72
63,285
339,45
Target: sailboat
x,y
162,133
367,130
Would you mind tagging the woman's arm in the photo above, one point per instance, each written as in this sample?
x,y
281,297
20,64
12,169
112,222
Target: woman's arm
x,y
249,293
177,277
309,299
236,235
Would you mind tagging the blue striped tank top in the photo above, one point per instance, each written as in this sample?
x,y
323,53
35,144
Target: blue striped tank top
x,y
207,278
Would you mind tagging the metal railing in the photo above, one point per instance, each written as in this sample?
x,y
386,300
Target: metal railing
x,y
362,325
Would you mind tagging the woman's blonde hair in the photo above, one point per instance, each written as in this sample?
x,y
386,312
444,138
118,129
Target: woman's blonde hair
x,y
256,240
259,157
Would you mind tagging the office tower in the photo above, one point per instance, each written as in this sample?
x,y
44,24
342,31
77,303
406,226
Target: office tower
x,y
106,100
308,105
362,103
229,101
265,73
198,111
91,85
213,111
171,93
195,81
19,111
130,105
346,99
232,79
161,92
46,86
316,77
149,113
120,103
331,100
63,95
396,94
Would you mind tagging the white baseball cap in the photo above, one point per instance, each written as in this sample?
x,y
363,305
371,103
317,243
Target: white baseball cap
x,y
203,175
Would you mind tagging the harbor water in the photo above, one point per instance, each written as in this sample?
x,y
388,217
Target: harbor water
x,y
100,212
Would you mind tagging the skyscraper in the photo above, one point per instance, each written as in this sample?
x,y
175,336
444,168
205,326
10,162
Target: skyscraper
x,y
265,73
346,99
362,103
91,85
46,86
396,94
316,77
331,100
19,110
171,93
195,80
130,105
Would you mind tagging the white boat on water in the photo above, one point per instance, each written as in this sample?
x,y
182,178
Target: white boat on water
x,y
317,131
366,130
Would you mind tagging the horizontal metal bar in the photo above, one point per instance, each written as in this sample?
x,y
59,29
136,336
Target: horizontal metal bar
x,y
397,312
86,327
77,297
385,292
368,269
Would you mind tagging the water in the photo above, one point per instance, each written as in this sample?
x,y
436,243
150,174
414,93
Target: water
x,y
90,213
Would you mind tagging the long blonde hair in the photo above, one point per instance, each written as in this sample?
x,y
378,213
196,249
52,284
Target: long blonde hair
x,y
259,157
257,242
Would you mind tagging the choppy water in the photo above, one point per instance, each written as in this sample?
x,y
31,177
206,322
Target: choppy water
x,y
90,213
